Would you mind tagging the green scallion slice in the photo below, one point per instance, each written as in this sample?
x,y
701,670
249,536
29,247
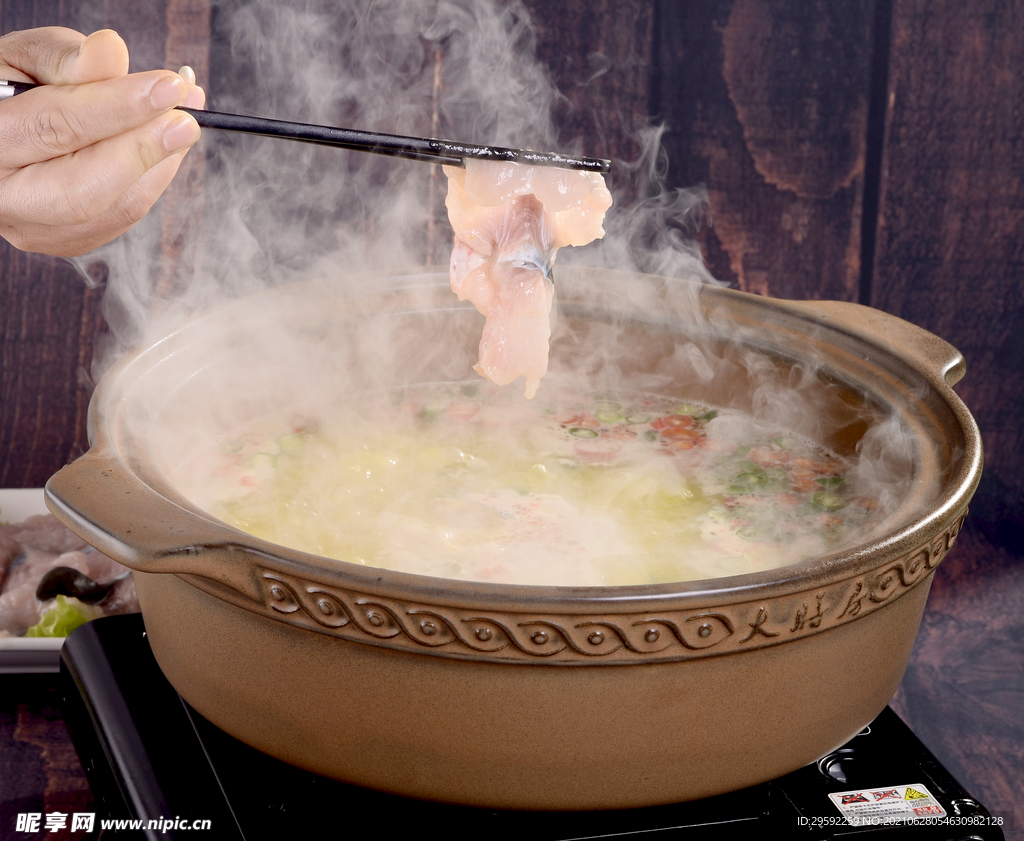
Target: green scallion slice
x,y
829,500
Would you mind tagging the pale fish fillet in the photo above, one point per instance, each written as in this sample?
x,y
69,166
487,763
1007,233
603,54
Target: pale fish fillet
x,y
509,222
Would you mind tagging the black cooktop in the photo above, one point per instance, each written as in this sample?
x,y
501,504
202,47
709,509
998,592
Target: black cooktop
x,y
150,756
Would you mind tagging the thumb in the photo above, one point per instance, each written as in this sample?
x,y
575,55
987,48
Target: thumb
x,y
103,55
55,55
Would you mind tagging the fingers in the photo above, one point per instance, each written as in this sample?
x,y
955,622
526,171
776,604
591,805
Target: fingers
x,y
74,240
196,96
54,55
49,122
72,189
73,201
37,55
86,155
103,55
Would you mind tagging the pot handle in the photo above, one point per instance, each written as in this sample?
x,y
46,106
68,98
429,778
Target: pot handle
x,y
99,498
918,346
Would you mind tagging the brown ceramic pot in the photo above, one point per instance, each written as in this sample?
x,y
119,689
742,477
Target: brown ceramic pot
x,y
516,696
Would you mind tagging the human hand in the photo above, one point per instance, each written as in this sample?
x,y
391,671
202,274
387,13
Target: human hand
x,y
85,158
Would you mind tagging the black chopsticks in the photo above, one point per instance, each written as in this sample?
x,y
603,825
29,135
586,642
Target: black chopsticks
x,y
433,150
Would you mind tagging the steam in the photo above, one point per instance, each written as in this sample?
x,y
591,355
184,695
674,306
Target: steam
x,y
263,213
271,212
654,236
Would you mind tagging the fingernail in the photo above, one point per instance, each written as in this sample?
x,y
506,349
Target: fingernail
x,y
167,93
188,75
182,132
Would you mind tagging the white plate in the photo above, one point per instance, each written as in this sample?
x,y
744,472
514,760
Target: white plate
x,y
34,654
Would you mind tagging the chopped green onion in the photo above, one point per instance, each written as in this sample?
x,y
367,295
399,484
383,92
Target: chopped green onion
x,y
749,482
431,411
638,418
261,460
290,442
609,417
830,481
829,500
581,432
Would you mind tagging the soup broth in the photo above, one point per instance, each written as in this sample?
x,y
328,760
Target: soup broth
x,y
465,481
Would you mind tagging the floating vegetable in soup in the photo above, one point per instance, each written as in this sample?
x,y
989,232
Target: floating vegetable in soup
x,y
509,222
459,481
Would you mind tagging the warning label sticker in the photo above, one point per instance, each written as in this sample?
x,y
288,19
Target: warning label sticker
x,y
893,804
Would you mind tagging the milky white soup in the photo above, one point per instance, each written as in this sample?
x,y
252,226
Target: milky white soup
x,y
461,481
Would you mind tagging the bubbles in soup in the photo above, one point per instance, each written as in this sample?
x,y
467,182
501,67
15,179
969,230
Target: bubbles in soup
x,y
461,481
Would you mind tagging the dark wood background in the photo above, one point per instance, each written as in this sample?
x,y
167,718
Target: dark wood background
x,y
864,150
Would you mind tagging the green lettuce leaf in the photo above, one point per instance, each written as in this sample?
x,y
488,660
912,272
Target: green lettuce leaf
x,y
62,619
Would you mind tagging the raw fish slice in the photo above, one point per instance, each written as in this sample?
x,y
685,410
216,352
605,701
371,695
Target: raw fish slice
x,y
514,341
101,568
46,532
509,221
507,282
9,550
35,562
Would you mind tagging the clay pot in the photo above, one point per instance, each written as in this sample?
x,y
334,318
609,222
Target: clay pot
x,y
516,696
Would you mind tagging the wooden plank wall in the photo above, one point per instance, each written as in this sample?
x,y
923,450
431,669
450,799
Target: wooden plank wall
x,y
767,104
950,245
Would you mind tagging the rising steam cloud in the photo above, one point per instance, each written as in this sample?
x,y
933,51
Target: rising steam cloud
x,y
267,212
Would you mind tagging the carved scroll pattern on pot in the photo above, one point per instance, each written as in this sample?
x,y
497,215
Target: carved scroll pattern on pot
x,y
879,587
352,615
330,608
601,637
622,638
